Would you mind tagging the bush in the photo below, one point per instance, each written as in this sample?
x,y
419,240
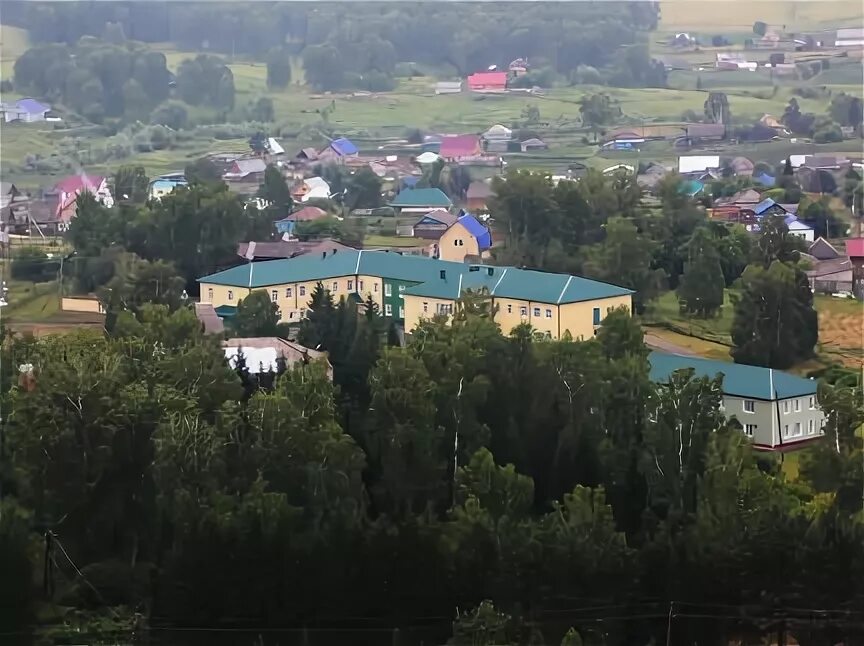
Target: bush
x,y
828,134
172,114
587,75
31,263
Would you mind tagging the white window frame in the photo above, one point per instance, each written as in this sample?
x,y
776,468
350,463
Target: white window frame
x,y
797,430
811,427
425,306
274,295
548,313
388,309
750,429
812,403
288,292
752,403
786,430
401,312
785,406
536,312
523,311
388,289
302,290
796,405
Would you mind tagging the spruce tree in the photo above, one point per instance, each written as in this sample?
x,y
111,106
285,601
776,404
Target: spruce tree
x,y
700,291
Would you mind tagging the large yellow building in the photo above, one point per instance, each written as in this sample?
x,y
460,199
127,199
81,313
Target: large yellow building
x,y
411,288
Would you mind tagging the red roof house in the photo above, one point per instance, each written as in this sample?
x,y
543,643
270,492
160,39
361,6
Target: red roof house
x,y
68,189
487,81
855,251
455,147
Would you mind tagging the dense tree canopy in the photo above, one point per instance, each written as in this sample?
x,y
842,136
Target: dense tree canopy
x,y
427,478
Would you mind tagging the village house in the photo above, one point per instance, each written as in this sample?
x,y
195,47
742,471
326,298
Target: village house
x,y
209,320
68,190
455,148
689,164
433,225
830,271
496,139
463,241
311,188
448,87
265,354
855,251
742,167
488,82
165,184
776,410
478,195
25,111
339,150
306,214
697,132
413,288
420,200
280,249
247,169
533,144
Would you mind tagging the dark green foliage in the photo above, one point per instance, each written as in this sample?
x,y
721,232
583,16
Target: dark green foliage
x,y
206,80
278,68
275,190
700,291
363,190
775,324
131,184
846,110
257,315
717,108
172,114
32,263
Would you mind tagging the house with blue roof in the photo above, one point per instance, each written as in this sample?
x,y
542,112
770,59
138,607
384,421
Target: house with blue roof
x,y
339,149
410,288
768,207
776,410
465,238
26,110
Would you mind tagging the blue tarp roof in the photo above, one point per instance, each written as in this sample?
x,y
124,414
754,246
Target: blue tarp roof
x,y
763,206
343,146
31,106
410,181
765,179
481,233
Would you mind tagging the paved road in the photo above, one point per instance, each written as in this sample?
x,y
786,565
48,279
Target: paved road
x,y
656,343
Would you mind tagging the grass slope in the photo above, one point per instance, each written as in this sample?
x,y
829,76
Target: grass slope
x,y
721,16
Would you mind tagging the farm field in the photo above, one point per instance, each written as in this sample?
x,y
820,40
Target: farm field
x,y
739,16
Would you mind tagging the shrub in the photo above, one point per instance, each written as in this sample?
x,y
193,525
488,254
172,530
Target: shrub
x,y
31,263
172,114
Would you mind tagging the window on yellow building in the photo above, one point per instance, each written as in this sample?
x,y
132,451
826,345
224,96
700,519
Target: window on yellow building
x,y
350,285
523,311
287,292
425,307
509,309
548,314
375,288
274,295
536,311
596,316
302,290
230,295
210,297
360,286
335,287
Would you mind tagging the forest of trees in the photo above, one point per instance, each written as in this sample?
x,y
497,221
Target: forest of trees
x,y
551,478
347,45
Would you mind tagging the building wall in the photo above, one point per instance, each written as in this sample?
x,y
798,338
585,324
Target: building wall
x,y
218,295
90,305
418,308
456,243
578,318
771,419
395,299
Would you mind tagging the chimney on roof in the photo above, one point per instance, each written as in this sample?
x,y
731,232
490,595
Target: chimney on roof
x,y
490,270
443,274
324,254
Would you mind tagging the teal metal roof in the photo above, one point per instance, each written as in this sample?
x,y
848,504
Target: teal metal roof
x,y
505,282
521,284
414,197
313,267
739,380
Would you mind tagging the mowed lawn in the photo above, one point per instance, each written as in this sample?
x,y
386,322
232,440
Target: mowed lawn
x,y
719,16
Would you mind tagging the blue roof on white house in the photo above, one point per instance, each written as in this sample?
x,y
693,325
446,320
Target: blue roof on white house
x,y
763,206
31,106
480,233
343,146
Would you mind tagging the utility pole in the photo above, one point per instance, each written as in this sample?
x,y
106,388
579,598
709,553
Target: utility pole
x,y
669,625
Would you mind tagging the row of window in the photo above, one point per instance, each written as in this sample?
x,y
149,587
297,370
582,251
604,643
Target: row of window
x,y
796,429
750,405
301,291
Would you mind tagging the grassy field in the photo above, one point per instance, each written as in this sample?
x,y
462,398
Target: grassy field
x,y
13,43
720,16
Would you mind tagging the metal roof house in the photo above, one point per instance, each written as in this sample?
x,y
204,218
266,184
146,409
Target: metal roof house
x,y
421,200
776,410
26,110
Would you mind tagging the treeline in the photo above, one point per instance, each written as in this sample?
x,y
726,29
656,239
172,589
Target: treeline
x,y
552,478
358,44
600,227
